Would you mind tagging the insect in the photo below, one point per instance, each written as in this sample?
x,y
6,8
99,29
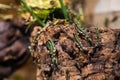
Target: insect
x,y
98,37
50,46
77,40
80,30
35,40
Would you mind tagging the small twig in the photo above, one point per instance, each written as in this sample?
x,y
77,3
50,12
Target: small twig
x,y
67,75
82,20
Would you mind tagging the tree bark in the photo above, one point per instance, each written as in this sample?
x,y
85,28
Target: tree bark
x,y
97,59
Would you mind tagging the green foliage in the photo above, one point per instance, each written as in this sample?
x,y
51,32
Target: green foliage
x,y
42,14
64,10
35,16
43,4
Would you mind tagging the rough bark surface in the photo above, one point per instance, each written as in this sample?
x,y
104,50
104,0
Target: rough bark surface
x,y
99,59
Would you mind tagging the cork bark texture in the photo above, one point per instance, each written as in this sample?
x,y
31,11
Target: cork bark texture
x,y
97,59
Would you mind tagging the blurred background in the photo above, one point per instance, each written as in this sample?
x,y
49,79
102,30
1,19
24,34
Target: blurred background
x,y
103,13
15,60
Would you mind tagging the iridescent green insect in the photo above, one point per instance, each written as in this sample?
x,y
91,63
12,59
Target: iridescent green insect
x,y
80,30
98,37
37,35
50,46
77,40
35,40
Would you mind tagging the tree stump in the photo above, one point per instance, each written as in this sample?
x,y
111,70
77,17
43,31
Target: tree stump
x,y
90,54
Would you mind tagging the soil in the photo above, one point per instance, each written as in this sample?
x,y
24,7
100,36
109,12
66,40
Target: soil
x,y
97,59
